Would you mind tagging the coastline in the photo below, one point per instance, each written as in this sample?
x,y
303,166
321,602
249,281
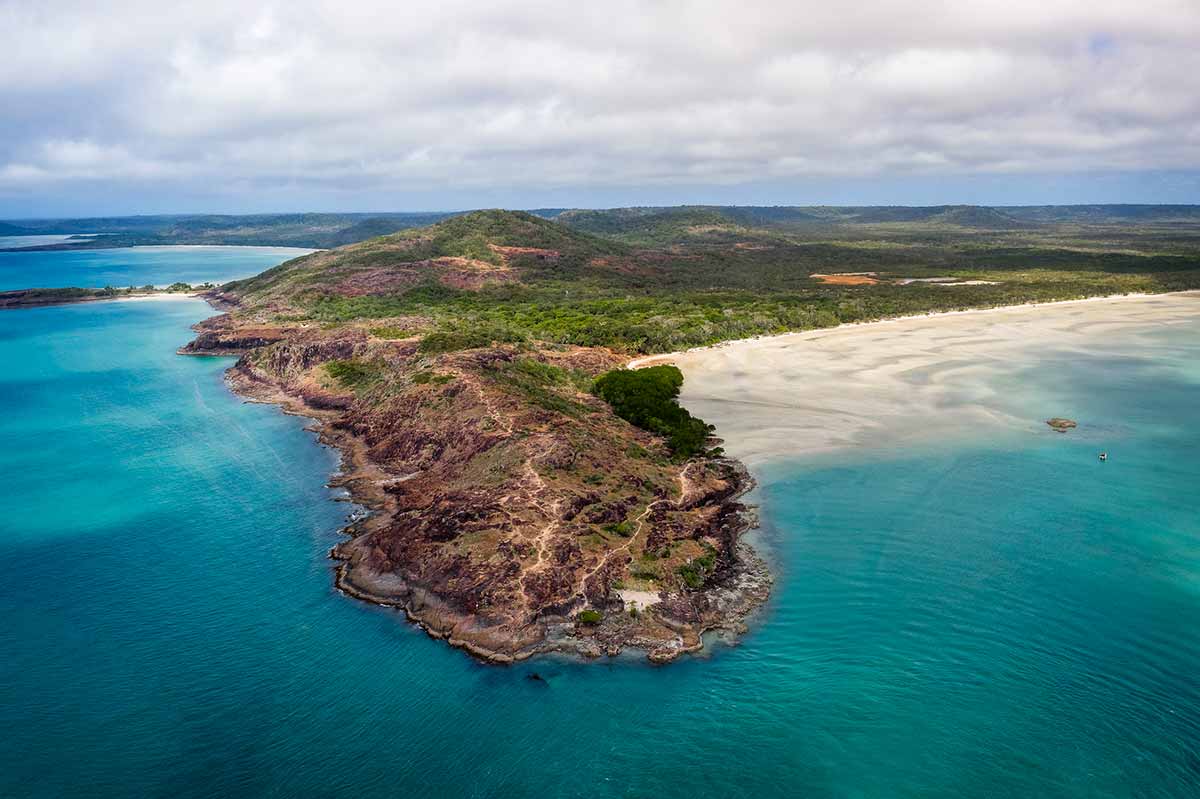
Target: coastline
x,y
91,246
890,384
29,298
740,591
740,586
667,357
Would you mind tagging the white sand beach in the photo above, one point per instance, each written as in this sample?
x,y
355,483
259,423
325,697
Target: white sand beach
x,y
882,383
160,297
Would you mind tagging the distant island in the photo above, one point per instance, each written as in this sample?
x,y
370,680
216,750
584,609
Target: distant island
x,y
528,493
29,298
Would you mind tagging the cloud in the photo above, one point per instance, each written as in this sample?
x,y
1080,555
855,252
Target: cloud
x,y
550,96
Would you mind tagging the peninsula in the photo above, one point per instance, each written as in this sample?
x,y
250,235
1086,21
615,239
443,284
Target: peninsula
x,y
518,506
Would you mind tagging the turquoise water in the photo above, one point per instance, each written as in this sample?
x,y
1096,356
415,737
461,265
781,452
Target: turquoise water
x,y
136,266
1008,618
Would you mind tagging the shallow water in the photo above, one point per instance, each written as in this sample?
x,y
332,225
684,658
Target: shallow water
x,y
1006,618
16,242
136,266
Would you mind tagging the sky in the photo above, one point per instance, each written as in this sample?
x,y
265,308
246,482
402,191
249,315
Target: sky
x,y
128,106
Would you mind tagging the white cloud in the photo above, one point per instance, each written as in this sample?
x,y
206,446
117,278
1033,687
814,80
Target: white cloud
x,y
552,94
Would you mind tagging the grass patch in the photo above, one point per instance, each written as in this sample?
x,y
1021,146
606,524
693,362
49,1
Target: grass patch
x,y
623,529
390,332
426,376
539,383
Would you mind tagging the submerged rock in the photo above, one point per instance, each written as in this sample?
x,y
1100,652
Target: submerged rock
x,y
1061,425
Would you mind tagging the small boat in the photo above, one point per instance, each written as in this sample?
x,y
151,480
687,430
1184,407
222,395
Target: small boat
x,y
1103,456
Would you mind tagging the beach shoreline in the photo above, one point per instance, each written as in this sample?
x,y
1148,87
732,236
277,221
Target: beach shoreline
x,y
894,382
34,298
666,357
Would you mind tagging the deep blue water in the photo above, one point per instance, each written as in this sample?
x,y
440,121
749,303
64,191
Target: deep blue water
x,y
1005,618
136,266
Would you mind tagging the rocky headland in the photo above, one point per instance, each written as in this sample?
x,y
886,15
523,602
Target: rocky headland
x,y
512,512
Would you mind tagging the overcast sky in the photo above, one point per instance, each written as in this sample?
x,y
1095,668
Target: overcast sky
x,y
128,106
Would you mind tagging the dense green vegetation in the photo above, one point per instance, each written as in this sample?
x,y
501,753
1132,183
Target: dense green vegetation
x,y
648,398
663,320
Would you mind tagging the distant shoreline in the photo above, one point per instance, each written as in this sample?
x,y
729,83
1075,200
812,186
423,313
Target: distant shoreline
x,y
94,244
34,298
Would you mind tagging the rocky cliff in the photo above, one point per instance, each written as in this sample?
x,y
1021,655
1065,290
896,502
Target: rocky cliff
x,y
512,512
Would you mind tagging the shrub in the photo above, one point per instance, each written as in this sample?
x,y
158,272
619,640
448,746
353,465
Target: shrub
x,y
696,570
589,616
455,339
351,373
693,577
623,529
421,378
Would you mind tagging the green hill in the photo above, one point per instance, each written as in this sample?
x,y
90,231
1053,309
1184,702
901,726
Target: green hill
x,y
644,279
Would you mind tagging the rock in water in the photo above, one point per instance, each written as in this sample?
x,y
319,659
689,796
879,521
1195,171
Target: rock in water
x,y
1060,424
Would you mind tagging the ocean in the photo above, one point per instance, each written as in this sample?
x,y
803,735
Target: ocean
x,y
999,616
136,266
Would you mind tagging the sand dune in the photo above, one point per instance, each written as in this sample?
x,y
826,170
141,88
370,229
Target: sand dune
x,y
885,383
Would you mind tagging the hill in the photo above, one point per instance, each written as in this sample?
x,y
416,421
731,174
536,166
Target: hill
x,y
512,505
1106,214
